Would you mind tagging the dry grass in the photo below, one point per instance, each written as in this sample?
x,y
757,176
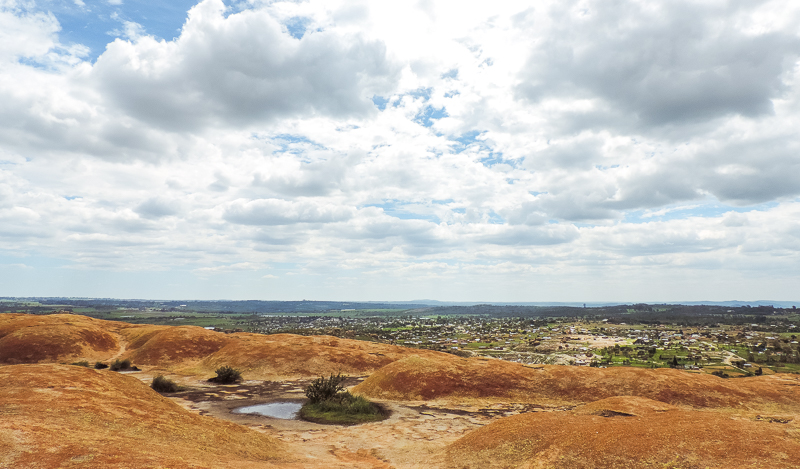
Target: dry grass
x,y
280,356
628,432
60,337
425,378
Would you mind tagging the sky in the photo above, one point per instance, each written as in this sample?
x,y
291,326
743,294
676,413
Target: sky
x,y
569,150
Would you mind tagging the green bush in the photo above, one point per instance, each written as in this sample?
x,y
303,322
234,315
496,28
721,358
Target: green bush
x,y
121,365
81,363
162,384
328,402
322,389
344,408
227,375
100,366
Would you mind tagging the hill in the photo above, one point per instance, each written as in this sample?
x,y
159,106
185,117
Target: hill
x,y
630,432
27,338
188,350
426,378
60,415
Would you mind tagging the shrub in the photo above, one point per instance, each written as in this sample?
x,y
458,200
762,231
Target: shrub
x,y
121,365
81,363
328,402
100,366
162,384
322,389
227,375
344,408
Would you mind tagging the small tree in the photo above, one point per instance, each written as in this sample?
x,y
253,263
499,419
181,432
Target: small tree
x,y
227,375
322,389
162,384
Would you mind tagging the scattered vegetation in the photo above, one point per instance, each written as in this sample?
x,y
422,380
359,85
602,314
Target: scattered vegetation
x,y
162,384
226,375
328,402
100,366
81,363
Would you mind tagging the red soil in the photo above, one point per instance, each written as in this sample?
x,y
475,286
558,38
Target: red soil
x,y
629,432
423,378
188,350
60,337
172,345
61,415
286,355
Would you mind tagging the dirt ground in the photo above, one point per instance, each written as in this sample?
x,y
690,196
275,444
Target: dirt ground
x,y
414,436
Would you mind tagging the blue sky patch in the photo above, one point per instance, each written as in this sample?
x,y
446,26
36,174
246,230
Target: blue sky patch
x,y
428,114
466,139
297,26
286,143
704,210
451,74
91,24
380,102
401,211
424,93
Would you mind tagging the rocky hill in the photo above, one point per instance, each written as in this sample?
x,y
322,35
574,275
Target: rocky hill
x,y
450,377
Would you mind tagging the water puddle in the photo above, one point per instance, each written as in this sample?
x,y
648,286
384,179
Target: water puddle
x,y
278,410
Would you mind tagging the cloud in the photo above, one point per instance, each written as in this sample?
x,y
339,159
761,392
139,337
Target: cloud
x,y
239,69
661,63
25,33
573,149
156,208
283,212
240,266
545,235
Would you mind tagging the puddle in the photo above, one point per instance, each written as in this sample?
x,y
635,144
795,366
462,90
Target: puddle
x,y
278,410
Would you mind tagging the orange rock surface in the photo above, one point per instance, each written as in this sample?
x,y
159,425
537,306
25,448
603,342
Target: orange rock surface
x,y
26,338
629,432
64,416
425,378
